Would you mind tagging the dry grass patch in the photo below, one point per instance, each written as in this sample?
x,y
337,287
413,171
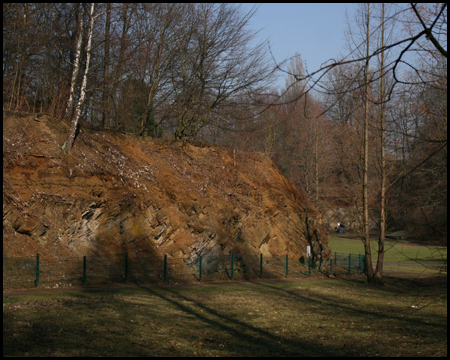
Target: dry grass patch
x,y
307,318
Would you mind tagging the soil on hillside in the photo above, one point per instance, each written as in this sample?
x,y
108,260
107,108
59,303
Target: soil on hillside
x,y
117,193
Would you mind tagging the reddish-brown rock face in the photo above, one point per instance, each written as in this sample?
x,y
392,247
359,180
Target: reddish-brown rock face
x,y
119,193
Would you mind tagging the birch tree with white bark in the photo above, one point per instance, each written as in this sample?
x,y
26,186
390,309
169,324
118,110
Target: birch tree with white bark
x,y
76,117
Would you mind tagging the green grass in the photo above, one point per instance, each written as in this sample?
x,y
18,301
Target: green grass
x,y
400,255
295,318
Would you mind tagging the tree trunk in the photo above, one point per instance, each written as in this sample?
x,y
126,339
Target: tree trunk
x,y
151,93
76,68
366,235
378,277
74,125
105,96
118,70
316,160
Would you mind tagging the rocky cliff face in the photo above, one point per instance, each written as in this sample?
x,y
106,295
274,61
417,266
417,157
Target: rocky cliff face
x,y
118,193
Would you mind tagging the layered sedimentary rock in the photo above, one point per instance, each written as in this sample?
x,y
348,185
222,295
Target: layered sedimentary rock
x,y
119,193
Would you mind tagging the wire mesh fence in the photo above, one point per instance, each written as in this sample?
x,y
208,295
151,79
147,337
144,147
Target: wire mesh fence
x,y
351,262
60,272
19,272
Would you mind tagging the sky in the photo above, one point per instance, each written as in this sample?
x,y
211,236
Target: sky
x,y
315,31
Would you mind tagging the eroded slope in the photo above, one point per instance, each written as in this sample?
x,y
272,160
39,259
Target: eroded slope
x,y
119,193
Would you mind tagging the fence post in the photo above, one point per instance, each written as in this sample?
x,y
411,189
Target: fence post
x,y
331,266
165,268
261,265
287,265
83,280
126,267
349,263
232,266
200,269
309,266
36,282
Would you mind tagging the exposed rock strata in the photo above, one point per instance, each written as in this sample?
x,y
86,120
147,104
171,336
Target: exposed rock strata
x,y
118,193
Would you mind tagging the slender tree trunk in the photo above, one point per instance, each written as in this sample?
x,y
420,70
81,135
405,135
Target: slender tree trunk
x,y
378,277
366,235
118,70
151,94
74,125
316,161
18,61
76,68
105,96
21,54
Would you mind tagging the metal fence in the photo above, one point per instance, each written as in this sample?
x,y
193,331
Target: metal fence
x,y
61,272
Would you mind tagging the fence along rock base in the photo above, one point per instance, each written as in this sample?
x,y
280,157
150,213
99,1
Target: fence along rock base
x,y
63,272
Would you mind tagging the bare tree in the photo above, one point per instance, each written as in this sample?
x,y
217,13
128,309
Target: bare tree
x,y
216,67
365,183
427,38
74,122
432,30
382,136
76,66
106,81
162,44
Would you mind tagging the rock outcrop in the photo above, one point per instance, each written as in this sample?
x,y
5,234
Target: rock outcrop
x,y
119,193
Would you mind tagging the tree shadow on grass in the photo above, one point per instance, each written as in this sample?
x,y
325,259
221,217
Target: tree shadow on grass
x,y
180,317
244,339
240,338
409,317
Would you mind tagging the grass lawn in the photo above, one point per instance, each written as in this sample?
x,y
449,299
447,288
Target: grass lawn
x,y
332,317
400,255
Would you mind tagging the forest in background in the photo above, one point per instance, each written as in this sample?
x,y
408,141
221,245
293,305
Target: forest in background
x,y
373,120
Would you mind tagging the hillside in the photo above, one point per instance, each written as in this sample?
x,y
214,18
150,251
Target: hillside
x,y
119,193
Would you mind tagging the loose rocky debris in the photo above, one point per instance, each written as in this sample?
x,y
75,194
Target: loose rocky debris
x,y
117,193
